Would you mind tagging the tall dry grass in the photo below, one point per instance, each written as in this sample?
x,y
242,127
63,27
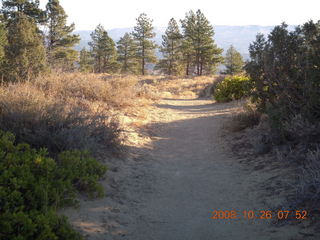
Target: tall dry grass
x,y
181,87
68,111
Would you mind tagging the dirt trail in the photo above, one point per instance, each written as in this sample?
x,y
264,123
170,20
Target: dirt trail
x,y
190,174
169,190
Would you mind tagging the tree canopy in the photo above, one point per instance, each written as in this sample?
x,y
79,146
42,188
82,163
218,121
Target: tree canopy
x,y
60,40
127,54
171,50
233,61
143,35
198,35
103,50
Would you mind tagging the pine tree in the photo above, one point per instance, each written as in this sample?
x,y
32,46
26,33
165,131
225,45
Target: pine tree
x,y
198,34
60,40
3,43
143,35
127,49
284,69
25,52
85,61
104,51
187,56
171,50
13,8
233,61
255,68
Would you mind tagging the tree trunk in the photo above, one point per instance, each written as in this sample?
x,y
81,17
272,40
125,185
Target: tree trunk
x,y
142,69
187,69
198,65
125,63
99,64
143,59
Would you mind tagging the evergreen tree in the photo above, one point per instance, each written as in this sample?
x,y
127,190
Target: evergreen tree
x,y
104,51
143,35
13,8
3,43
233,61
255,68
127,49
85,61
171,50
285,71
187,56
25,52
198,34
60,40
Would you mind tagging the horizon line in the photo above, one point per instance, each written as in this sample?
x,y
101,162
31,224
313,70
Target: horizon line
x,y
256,25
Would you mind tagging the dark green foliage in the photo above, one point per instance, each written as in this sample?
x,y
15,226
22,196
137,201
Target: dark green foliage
x,y
255,68
127,54
143,35
3,43
85,61
198,35
25,52
60,40
83,172
12,9
233,61
33,186
232,88
171,50
285,71
188,56
36,225
104,52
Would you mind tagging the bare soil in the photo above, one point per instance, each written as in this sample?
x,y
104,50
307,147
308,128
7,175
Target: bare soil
x,y
173,181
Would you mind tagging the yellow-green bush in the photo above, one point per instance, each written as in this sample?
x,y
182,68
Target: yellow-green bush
x,y
232,88
33,186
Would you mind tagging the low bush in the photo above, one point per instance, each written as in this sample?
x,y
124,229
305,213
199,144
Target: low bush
x,y
33,186
308,186
58,116
232,88
249,117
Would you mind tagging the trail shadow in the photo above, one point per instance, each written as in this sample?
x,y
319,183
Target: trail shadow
x,y
187,99
203,108
185,107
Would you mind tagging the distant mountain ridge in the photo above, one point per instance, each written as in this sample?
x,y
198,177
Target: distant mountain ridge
x,y
239,36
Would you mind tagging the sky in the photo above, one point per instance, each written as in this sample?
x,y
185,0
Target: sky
x,y
122,14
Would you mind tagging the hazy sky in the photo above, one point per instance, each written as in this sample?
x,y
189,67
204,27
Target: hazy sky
x,y
86,14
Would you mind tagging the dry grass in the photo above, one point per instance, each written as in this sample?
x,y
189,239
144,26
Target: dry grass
x,y
248,117
63,111
70,111
308,186
179,87
114,91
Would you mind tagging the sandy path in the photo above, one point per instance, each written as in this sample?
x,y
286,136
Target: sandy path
x,y
191,174
169,189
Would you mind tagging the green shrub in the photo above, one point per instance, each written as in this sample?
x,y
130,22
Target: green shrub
x,y
285,69
232,88
33,186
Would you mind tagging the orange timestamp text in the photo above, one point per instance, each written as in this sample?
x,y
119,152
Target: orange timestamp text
x,y
262,214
